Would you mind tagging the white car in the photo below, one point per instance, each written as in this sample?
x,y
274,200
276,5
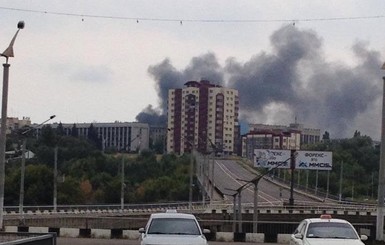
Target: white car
x,y
172,228
325,230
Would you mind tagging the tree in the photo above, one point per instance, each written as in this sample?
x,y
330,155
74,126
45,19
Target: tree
x,y
48,136
360,157
326,136
38,185
60,130
93,137
74,131
357,134
70,192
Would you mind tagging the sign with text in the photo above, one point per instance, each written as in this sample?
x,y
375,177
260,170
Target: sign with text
x,y
264,158
314,160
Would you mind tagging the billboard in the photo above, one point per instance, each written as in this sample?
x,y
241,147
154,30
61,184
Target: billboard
x,y
314,160
264,158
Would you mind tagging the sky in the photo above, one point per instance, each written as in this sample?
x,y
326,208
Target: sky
x,y
317,63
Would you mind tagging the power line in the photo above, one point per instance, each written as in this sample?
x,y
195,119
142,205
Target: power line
x,y
137,19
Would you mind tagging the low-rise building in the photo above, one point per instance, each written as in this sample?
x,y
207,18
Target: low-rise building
x,y
14,123
270,139
263,136
127,136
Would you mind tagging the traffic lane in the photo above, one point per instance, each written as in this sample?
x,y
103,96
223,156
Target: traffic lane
x,y
268,193
224,178
267,185
95,241
229,173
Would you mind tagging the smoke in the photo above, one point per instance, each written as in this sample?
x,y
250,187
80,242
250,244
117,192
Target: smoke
x,y
167,77
152,116
294,80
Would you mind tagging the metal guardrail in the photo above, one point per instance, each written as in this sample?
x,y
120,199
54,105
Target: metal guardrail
x,y
15,238
198,207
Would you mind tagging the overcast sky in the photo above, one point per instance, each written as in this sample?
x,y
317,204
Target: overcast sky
x,y
106,61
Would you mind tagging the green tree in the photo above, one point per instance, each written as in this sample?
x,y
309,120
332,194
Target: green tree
x,y
70,192
38,185
60,130
93,137
74,131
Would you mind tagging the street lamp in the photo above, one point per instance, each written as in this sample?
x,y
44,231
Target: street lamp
x,y
23,152
256,180
381,175
190,171
123,185
3,131
237,215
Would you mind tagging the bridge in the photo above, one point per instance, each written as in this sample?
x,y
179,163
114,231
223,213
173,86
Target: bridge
x,y
276,219
222,178
275,224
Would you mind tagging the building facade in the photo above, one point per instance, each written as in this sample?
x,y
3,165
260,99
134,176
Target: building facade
x,y
126,136
292,137
158,134
203,116
270,139
14,123
308,135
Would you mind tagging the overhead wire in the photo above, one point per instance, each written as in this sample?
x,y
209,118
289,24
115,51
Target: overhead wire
x,y
138,19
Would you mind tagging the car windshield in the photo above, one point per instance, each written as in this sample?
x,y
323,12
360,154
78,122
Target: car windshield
x,y
176,226
331,230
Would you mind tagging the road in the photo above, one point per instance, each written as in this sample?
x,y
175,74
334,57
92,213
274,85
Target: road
x,y
90,241
228,176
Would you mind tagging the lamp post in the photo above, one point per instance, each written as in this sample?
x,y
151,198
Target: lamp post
x,y
22,171
123,184
381,175
191,177
256,180
7,53
237,212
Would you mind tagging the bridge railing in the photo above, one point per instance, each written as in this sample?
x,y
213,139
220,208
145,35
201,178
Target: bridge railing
x,y
198,206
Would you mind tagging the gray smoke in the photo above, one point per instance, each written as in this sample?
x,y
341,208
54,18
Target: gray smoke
x,y
293,81
167,77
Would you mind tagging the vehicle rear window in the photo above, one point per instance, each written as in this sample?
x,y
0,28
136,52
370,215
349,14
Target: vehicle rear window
x,y
175,226
331,230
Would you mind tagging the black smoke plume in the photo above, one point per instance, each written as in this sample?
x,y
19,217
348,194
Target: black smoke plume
x,y
294,80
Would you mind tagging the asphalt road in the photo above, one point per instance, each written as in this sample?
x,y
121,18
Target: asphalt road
x,y
228,176
90,241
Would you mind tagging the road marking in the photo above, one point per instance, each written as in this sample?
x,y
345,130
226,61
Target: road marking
x,y
229,173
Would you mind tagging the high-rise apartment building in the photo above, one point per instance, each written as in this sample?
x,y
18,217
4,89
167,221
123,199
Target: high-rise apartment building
x,y
201,115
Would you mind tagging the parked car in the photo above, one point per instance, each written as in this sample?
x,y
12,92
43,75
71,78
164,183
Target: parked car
x,y
326,230
172,228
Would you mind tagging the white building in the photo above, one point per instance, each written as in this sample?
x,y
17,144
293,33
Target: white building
x,y
127,136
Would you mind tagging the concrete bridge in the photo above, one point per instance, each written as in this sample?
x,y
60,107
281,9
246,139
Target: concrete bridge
x,y
274,224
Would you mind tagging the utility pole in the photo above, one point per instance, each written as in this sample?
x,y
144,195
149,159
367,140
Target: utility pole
x,y
212,179
23,156
255,181
8,52
191,177
341,174
55,181
381,175
292,166
122,187
22,174
255,214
